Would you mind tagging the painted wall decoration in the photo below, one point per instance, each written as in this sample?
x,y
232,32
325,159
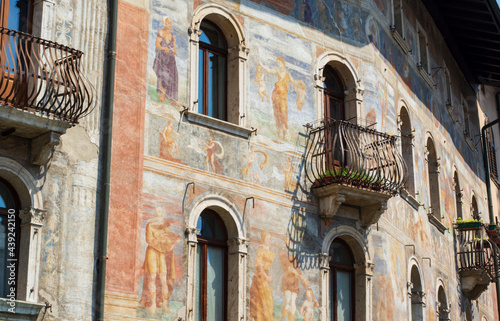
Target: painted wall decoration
x,y
261,292
168,144
253,169
307,309
280,94
159,272
164,64
290,285
290,183
215,152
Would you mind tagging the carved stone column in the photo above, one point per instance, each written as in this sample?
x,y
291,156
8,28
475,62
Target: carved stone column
x,y
192,243
194,36
363,290
43,15
237,57
325,285
237,279
29,253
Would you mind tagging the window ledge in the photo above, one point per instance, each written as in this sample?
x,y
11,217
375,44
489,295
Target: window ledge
x,y
410,199
469,141
426,76
22,310
451,112
436,222
400,40
221,125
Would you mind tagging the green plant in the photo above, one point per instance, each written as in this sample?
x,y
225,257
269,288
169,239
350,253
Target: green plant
x,y
472,220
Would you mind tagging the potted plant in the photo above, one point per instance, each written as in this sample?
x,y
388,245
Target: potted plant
x,y
470,224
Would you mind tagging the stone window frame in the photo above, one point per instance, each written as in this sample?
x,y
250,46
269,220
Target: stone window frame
x,y
363,273
409,190
237,253
353,95
236,70
434,212
442,313
458,195
32,216
422,296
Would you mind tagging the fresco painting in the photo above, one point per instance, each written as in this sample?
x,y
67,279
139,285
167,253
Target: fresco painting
x,y
261,292
215,152
253,169
290,183
157,269
168,144
307,309
164,64
290,286
280,94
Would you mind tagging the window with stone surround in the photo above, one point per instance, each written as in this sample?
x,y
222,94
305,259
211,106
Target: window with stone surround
x,y
342,282
416,294
218,58
434,205
458,196
407,137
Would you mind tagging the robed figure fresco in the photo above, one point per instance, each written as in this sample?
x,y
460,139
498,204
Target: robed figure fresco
x,y
261,292
253,167
280,94
215,152
159,272
165,65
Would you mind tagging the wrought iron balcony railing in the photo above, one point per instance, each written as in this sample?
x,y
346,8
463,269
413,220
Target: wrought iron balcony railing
x,y
340,152
43,77
475,250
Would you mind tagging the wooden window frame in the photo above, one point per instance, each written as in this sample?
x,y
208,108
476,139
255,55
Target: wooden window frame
x,y
334,267
207,49
204,242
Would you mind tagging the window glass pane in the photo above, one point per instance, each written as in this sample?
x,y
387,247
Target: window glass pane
x,y
344,312
210,227
331,82
6,198
335,106
199,284
215,284
200,80
339,253
210,35
216,86
18,15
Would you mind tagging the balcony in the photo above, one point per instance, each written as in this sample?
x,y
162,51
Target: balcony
x,y
354,165
475,259
43,90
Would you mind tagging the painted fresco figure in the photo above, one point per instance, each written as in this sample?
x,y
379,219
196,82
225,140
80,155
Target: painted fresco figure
x,y
160,244
261,292
260,79
290,184
168,145
290,283
307,307
212,158
280,95
164,64
253,168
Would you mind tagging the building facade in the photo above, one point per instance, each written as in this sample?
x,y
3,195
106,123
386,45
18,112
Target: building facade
x,y
52,60
282,160
270,160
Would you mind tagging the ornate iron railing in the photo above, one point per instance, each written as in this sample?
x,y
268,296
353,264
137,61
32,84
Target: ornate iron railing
x,y
43,77
346,153
475,250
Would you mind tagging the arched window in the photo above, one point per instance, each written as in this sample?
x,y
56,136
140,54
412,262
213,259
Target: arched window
x,y
474,209
341,282
417,295
211,268
407,148
443,309
212,80
433,177
334,94
458,196
10,228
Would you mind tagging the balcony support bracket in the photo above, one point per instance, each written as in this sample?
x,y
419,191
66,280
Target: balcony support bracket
x,y
42,147
474,282
372,203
